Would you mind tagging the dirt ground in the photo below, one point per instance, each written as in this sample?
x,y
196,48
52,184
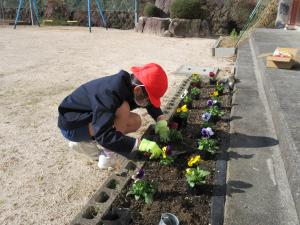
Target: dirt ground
x,y
42,181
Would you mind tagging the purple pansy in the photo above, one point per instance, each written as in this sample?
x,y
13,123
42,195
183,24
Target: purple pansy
x,y
207,132
209,102
139,175
168,150
206,116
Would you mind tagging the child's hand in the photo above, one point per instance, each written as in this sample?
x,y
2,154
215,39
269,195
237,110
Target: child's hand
x,y
151,147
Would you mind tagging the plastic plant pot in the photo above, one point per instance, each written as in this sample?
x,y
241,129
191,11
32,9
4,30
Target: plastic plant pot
x,y
168,219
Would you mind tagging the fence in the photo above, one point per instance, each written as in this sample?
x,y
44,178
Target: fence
x,y
119,13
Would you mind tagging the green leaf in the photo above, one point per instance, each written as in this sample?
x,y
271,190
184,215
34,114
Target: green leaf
x,y
148,199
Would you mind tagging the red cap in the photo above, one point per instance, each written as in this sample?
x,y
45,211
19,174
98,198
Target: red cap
x,y
155,80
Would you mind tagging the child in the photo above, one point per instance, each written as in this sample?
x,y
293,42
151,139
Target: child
x,y
100,111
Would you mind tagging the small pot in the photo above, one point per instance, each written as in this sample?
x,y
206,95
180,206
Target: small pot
x,y
168,219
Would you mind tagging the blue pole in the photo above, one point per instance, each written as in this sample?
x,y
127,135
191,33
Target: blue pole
x,y
136,11
101,13
18,13
89,14
36,12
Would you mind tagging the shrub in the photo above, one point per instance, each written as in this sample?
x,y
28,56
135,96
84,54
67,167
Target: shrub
x,y
186,9
151,10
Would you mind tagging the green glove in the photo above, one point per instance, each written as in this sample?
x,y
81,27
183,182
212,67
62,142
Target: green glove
x,y
151,147
163,130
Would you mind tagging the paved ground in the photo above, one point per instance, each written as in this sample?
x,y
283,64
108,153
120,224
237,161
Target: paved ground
x,y
42,182
282,89
263,168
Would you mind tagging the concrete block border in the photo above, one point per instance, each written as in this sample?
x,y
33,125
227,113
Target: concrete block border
x,y
218,51
100,203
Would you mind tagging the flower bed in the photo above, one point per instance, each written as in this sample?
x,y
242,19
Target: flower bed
x,y
181,182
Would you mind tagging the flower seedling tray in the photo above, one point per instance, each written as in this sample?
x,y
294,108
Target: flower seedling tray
x,y
219,51
192,206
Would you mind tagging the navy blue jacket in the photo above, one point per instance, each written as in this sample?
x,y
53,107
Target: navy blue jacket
x,y
97,102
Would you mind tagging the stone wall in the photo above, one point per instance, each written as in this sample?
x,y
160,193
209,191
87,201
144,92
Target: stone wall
x,y
173,27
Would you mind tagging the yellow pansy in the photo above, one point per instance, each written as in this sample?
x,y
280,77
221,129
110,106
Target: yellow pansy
x,y
214,94
164,150
178,110
194,160
184,108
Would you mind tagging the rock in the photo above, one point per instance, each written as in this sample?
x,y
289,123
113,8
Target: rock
x,y
178,27
185,28
155,25
139,27
167,33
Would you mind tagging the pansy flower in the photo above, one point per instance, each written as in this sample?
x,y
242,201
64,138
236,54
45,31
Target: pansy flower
x,y
210,102
184,108
206,116
194,160
207,132
166,151
139,175
212,74
214,94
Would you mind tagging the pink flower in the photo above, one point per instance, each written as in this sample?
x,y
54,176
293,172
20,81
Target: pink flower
x,y
212,74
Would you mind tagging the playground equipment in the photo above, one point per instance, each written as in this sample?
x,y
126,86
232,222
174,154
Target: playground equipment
x,y
32,5
35,16
88,6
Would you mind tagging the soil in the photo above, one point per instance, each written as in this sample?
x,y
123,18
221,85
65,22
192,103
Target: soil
x,y
191,206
